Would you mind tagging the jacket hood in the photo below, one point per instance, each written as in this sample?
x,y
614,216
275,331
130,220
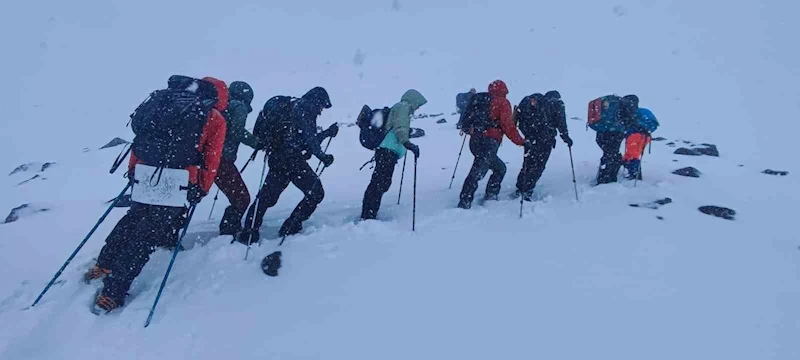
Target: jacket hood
x,y
498,88
222,92
414,98
318,96
240,90
553,94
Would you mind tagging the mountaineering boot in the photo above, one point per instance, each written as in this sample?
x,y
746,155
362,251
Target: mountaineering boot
x,y
104,304
249,236
231,222
290,227
95,273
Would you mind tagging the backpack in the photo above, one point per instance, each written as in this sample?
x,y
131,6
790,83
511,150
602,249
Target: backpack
x,y
531,114
604,114
274,122
646,119
169,123
371,122
477,117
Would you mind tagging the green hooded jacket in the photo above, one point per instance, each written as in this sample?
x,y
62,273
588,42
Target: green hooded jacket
x,y
236,117
399,123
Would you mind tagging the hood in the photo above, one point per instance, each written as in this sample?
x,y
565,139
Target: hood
x,y
240,90
553,94
498,88
318,96
222,92
414,98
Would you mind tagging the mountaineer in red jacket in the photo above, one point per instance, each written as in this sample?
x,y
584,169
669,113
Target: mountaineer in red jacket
x,y
494,110
180,133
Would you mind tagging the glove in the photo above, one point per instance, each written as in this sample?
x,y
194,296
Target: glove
x,y
413,148
327,159
332,131
195,194
567,139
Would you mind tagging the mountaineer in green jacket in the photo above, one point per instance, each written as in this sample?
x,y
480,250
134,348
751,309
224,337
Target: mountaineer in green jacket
x,y
392,148
229,180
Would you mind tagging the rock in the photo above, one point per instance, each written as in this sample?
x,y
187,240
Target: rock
x,y
709,149
114,142
31,179
416,133
21,168
660,217
47,165
659,139
674,160
351,124
775,172
575,118
686,151
688,171
653,205
441,121
671,144
23,211
34,166
720,212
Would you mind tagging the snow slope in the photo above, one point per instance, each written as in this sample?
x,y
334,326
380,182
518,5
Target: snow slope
x,y
595,278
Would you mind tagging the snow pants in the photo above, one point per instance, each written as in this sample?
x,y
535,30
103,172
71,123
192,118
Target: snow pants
x,y
230,182
634,149
533,165
611,161
128,247
282,171
385,161
484,149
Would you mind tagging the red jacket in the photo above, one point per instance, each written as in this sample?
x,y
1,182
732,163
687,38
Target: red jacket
x,y
500,111
211,141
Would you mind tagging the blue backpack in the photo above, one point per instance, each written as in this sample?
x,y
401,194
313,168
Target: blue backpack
x,y
647,120
604,114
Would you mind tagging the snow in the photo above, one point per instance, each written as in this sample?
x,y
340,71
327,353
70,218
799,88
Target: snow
x,y
571,280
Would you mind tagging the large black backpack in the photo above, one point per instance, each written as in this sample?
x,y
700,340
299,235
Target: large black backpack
x,y
477,117
274,122
373,126
169,123
531,114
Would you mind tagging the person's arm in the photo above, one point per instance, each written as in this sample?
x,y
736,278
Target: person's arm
x,y
212,140
308,128
238,121
560,117
503,112
400,120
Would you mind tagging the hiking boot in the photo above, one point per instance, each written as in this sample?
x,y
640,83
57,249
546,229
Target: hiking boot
x,y
490,197
95,273
104,304
463,204
249,236
290,227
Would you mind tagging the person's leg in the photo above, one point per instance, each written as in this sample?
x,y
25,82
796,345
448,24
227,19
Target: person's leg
x,y
120,235
498,168
230,182
612,159
305,179
480,166
278,178
385,162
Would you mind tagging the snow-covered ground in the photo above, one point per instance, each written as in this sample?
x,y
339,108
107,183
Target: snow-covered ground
x,y
571,280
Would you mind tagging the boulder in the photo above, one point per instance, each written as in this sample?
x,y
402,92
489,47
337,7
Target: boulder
x,y
718,211
688,172
775,172
23,210
686,151
441,121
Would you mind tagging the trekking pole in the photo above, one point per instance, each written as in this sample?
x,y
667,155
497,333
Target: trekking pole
x,y
169,268
402,175
574,182
457,161
120,158
85,239
325,151
414,211
216,196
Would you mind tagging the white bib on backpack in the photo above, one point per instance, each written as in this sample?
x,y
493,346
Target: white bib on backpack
x,y
160,186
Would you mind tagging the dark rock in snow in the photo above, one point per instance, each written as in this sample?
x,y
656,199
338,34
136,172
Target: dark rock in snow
x,y
21,168
575,118
351,124
114,142
720,212
22,211
416,133
775,172
47,165
659,139
38,167
441,121
31,179
660,217
686,151
688,171
709,149
674,160
653,205
671,144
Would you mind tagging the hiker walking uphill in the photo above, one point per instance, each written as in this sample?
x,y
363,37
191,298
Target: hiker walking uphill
x,y
392,148
462,99
487,119
229,180
540,118
294,140
175,154
638,136
610,116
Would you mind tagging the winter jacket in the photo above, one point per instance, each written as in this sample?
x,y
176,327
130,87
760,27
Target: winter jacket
x,y
500,112
556,116
304,115
210,143
399,123
236,119
462,100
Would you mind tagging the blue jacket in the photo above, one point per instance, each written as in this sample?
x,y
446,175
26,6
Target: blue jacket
x,y
646,122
